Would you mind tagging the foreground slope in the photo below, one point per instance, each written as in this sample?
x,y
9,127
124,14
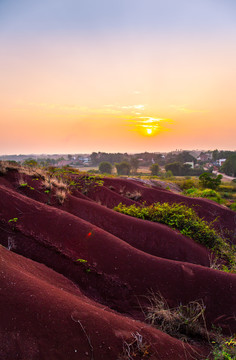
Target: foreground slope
x,y
86,290
45,316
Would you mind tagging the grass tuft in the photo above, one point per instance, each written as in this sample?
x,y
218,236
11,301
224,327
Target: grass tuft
x,y
182,322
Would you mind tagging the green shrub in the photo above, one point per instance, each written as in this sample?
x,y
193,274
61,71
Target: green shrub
x,y
177,216
210,181
166,175
105,167
123,168
227,188
226,195
187,183
154,168
233,206
206,193
186,220
225,349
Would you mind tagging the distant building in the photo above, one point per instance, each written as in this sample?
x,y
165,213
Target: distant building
x,y
195,153
84,160
204,157
191,163
220,162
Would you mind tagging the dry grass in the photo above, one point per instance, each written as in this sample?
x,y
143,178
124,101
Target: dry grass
x,y
35,172
3,167
61,195
182,322
135,195
22,182
214,263
46,183
7,165
135,347
59,184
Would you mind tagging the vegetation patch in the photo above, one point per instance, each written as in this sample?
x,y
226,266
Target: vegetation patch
x,y
185,219
206,193
135,195
233,206
187,322
224,348
182,322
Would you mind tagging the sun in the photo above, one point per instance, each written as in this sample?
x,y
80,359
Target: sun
x,y
149,131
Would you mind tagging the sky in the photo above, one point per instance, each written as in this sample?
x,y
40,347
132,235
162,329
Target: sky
x,y
80,76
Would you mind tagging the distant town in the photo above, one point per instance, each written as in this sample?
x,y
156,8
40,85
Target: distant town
x,y
179,162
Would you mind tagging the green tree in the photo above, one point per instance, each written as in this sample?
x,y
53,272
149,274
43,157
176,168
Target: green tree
x,y
134,162
215,155
123,168
210,181
229,166
186,169
105,167
175,168
154,169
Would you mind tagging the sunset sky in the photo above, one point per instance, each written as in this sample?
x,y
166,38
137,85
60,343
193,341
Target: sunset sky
x,y
117,75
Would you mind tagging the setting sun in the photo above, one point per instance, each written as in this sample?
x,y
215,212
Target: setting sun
x,y
149,131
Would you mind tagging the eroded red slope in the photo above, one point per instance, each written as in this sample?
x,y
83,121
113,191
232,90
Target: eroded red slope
x,y
45,316
119,273
69,313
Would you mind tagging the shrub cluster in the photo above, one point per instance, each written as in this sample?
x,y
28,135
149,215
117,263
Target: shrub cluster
x,y
186,220
206,193
177,216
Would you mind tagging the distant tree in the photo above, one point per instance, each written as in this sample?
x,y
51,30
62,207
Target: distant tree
x,y
30,162
179,169
210,181
175,168
159,159
154,169
94,158
215,155
105,167
186,169
123,168
229,166
185,157
134,162
168,174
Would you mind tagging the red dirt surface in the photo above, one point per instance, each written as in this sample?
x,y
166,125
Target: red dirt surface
x,y
53,306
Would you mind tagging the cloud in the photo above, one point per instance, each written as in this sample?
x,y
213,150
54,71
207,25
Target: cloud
x,y
144,124
135,107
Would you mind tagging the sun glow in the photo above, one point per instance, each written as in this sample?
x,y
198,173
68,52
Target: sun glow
x,y
148,126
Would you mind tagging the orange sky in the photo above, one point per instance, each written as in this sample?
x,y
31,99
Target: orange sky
x,y
127,89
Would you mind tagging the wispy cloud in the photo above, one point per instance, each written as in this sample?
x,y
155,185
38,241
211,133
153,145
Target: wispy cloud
x,y
135,107
149,124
